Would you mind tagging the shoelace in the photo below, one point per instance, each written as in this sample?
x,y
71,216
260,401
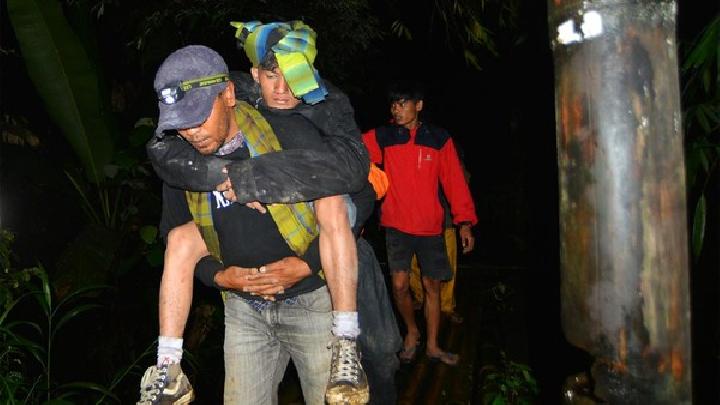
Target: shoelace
x,y
347,364
152,392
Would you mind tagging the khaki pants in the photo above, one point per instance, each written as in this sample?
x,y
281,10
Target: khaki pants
x,y
447,291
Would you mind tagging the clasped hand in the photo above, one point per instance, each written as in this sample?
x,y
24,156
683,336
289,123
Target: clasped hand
x,y
265,281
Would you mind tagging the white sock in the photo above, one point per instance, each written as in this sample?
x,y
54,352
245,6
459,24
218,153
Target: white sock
x,y
169,350
345,324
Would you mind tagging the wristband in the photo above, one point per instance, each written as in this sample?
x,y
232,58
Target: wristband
x,y
206,269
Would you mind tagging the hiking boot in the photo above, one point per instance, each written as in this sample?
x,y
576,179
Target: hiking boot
x,y
348,382
165,385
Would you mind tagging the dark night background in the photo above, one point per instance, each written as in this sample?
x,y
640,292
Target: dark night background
x,y
502,115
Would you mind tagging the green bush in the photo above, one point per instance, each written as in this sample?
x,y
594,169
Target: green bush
x,y
508,383
30,320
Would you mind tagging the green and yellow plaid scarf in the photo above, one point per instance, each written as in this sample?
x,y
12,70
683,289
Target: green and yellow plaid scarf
x,y
293,44
296,222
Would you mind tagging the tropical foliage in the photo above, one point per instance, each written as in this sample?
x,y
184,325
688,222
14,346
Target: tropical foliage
x,y
31,320
66,79
509,383
465,25
701,96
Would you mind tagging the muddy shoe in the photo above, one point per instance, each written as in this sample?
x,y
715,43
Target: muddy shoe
x,y
348,382
165,385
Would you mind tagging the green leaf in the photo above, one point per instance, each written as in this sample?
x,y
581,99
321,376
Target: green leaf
x,y
698,229
148,233
141,133
87,206
471,59
72,314
74,387
125,161
702,118
402,31
35,350
707,80
44,296
498,400
65,78
10,306
705,46
80,292
155,255
110,171
714,113
120,375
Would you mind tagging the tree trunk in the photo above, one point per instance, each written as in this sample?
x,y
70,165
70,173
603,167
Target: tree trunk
x,y
625,296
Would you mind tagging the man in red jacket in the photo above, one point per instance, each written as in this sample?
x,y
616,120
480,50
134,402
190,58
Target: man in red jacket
x,y
418,157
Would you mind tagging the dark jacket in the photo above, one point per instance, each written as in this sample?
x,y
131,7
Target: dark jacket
x,y
288,176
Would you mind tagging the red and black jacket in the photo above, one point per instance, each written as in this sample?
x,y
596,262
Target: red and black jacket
x,y
417,161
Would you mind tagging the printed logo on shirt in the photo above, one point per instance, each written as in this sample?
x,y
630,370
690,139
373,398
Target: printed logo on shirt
x,y
220,200
423,156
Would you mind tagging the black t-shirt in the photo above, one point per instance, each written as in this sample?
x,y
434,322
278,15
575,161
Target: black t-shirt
x,y
247,237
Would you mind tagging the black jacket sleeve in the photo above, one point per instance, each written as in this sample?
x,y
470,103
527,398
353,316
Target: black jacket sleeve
x,y
364,201
181,166
312,256
304,175
287,176
207,268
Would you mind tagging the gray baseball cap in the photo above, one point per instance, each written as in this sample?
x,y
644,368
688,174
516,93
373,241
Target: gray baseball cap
x,y
187,83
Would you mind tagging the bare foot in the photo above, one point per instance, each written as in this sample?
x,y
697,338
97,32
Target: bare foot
x,y
412,339
410,345
448,358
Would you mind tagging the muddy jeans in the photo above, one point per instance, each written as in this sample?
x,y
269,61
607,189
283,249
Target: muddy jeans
x,y
259,344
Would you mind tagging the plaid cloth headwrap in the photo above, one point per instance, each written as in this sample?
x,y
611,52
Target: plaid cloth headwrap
x,y
293,43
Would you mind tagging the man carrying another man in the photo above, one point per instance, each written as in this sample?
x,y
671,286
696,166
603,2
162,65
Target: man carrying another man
x,y
278,307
